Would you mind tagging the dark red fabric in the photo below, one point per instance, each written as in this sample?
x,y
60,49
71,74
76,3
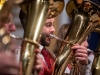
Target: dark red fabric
x,y
48,69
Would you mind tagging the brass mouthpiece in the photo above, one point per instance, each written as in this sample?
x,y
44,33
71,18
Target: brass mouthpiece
x,y
67,42
27,40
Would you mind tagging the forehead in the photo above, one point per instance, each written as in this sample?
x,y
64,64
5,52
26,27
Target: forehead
x,y
50,20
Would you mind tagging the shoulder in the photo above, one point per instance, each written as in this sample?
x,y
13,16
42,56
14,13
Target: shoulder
x,y
51,53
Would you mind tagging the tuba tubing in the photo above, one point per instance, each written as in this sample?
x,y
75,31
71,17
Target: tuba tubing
x,y
35,21
79,31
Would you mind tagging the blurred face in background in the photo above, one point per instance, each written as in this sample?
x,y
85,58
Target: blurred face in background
x,y
47,29
9,24
85,43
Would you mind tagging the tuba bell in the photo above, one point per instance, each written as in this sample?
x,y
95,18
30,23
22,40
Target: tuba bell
x,y
83,22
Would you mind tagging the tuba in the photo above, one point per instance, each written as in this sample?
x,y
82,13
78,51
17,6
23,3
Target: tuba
x,y
96,62
37,12
84,18
95,69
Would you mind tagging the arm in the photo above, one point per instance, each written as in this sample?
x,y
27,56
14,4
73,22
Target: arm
x,y
85,61
8,64
81,54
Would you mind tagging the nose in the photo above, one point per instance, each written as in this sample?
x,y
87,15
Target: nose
x,y
12,27
52,29
86,44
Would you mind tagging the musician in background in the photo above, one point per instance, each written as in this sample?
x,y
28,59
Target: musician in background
x,y
8,64
81,52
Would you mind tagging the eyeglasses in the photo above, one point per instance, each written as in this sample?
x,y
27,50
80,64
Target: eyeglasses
x,y
10,21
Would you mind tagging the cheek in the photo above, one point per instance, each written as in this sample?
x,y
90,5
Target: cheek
x,y
6,27
46,30
82,44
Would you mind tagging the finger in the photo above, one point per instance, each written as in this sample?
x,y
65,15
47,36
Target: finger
x,y
81,58
37,51
38,67
81,55
78,47
76,44
81,51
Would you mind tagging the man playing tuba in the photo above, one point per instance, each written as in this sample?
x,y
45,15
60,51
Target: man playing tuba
x,y
48,57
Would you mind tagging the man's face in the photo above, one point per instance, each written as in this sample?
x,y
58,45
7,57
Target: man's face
x,y
47,29
9,25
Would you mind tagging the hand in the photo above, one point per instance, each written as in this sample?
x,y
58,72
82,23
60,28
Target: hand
x,y
81,54
8,64
38,61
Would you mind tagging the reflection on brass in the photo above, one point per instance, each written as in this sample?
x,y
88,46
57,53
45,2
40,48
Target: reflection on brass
x,y
96,62
6,39
55,8
2,31
70,7
84,19
1,3
26,40
18,1
65,41
37,12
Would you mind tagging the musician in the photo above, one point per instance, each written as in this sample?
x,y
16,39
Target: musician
x,y
81,52
44,41
8,64
47,56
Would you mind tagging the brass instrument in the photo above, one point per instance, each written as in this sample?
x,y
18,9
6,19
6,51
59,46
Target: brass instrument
x,y
83,22
64,41
36,19
37,12
95,69
96,62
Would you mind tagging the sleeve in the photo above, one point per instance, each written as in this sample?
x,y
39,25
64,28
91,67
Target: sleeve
x,y
86,69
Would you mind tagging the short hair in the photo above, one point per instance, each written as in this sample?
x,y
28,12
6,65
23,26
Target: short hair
x,y
23,19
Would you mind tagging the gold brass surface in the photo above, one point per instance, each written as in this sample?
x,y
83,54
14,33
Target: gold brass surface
x,y
2,31
37,14
6,39
83,22
78,29
96,62
1,3
55,8
70,7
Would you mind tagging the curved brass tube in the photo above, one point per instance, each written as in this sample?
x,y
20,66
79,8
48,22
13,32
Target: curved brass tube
x,y
78,30
83,22
96,62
